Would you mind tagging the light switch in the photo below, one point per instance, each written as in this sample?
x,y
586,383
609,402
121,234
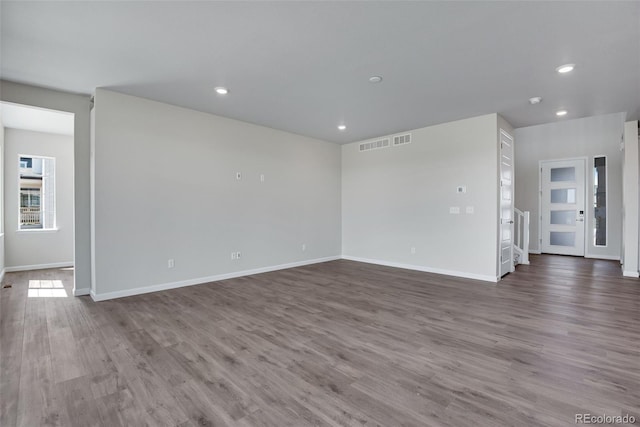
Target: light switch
x,y
470,209
454,210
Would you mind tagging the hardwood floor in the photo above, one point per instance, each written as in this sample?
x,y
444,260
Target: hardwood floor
x,y
340,343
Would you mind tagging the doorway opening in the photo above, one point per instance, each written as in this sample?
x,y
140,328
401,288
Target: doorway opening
x,y
37,212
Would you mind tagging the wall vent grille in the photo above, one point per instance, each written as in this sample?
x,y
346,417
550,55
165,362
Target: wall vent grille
x,y
374,145
402,139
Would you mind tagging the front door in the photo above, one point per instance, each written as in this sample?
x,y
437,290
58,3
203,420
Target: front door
x,y
562,206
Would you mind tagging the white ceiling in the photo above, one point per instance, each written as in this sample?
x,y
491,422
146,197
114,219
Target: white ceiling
x,y
304,66
36,119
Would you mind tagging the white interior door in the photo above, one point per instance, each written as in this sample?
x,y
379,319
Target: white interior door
x,y
506,203
562,207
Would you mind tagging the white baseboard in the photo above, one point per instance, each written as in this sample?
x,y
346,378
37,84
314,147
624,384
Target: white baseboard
x,y
535,252
201,280
630,274
38,266
80,292
610,257
463,274
523,263
2,274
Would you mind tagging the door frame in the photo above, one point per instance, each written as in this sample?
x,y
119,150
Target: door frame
x,y
587,212
79,106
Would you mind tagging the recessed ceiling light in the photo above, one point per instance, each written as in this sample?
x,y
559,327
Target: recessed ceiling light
x,y
535,100
375,79
565,68
342,127
561,113
222,90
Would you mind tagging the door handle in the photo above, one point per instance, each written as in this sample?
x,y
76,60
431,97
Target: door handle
x,y
511,222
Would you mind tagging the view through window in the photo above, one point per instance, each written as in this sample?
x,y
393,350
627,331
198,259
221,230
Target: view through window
x,y
600,201
37,193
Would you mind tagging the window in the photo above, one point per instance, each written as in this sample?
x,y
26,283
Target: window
x,y
37,193
600,201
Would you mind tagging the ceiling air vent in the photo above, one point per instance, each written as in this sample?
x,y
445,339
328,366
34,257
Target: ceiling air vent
x,y
402,139
374,145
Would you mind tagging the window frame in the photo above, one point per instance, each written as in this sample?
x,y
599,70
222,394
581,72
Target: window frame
x,y
54,225
606,200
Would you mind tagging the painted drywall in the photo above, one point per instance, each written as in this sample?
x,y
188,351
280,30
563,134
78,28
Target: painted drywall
x,y
630,196
398,198
38,248
79,105
587,137
166,188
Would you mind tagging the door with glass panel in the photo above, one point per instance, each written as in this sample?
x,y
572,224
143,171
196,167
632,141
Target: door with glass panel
x,y
506,203
562,207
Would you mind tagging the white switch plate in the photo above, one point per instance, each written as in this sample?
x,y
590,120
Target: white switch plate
x,y
171,263
261,177
454,210
413,250
470,209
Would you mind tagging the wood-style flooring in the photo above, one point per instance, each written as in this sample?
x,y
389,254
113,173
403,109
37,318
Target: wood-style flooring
x,y
334,344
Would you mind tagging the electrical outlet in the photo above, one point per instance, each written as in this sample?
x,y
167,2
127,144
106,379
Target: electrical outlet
x,y
237,255
171,263
261,177
233,255
304,247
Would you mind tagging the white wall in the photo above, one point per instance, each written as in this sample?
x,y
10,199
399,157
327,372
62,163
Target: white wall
x,y
630,185
166,188
38,248
397,198
588,137
79,106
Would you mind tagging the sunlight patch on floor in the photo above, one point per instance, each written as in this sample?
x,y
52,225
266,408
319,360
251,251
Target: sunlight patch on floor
x,y
46,289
